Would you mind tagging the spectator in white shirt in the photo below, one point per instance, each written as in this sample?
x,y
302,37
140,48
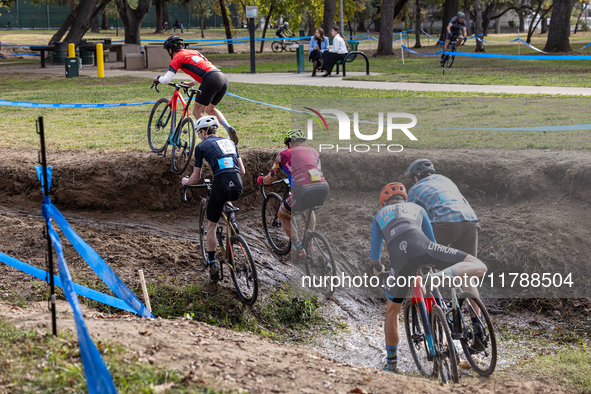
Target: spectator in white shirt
x,y
337,52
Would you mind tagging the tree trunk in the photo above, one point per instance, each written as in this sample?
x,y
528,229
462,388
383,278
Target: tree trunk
x,y
559,31
498,26
329,13
311,24
486,17
132,18
158,6
64,27
468,19
165,12
478,26
227,26
579,18
84,19
203,19
105,20
94,27
386,28
521,21
267,19
350,28
417,24
450,9
544,25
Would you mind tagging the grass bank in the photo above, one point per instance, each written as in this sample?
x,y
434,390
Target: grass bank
x,y
445,118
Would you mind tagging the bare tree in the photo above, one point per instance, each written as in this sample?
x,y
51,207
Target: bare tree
x,y
132,18
559,32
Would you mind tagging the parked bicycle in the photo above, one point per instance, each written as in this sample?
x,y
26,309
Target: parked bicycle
x,y
232,248
164,130
430,331
284,45
319,261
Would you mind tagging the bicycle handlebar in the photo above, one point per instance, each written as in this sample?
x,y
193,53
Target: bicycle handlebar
x,y
177,86
285,181
206,183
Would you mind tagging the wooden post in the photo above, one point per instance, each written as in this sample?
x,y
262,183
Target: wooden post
x,y
145,290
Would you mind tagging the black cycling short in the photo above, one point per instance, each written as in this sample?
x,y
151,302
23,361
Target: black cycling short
x,y
213,88
409,251
226,186
306,196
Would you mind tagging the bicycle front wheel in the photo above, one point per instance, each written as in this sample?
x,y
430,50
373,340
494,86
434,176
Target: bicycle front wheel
x,y
319,261
203,224
444,347
417,337
450,58
276,46
182,151
479,344
245,274
276,236
159,125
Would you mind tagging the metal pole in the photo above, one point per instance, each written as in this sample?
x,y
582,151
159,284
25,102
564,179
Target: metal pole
x,y
252,50
48,24
17,16
518,43
49,248
401,49
342,22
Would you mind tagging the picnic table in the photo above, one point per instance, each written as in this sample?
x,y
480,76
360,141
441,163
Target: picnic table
x,y
42,49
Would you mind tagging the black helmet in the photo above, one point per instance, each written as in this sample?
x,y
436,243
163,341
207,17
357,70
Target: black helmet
x,y
173,42
420,168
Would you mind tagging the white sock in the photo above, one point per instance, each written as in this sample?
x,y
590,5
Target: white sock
x,y
225,124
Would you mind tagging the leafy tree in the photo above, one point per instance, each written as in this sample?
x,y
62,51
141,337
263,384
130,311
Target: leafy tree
x,y
201,9
79,21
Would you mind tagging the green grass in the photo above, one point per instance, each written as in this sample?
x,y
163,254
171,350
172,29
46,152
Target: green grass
x,y
124,128
32,362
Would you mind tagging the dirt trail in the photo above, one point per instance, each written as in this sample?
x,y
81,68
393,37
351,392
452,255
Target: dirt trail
x,y
231,360
533,207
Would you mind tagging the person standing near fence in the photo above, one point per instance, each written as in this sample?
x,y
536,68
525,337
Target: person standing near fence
x,y
336,52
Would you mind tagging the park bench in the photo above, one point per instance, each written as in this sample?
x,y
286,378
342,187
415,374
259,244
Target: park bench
x,y
42,49
352,55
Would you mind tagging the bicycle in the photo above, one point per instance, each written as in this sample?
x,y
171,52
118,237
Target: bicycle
x,y
283,45
274,232
232,247
319,260
449,59
431,349
181,135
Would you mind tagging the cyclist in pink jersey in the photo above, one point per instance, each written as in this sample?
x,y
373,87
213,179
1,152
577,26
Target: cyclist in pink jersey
x,y
301,163
214,83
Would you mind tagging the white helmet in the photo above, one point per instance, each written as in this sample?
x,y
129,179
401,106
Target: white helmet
x,y
286,24
206,122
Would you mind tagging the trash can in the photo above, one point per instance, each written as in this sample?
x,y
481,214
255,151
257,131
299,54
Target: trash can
x,y
300,59
87,56
302,33
72,67
60,53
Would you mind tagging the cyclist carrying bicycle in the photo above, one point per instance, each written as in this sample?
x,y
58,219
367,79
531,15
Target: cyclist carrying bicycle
x,y
282,32
213,82
301,163
405,228
227,167
456,26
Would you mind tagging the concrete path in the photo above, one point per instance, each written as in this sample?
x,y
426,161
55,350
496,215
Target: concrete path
x,y
116,69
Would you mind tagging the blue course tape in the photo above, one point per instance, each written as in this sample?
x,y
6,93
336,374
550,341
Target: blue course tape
x,y
22,54
98,378
493,56
81,290
91,257
48,105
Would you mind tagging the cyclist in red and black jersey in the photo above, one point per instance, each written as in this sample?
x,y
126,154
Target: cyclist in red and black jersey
x,y
301,164
213,82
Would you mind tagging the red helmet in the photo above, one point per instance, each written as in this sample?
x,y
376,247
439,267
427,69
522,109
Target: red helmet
x,y
391,190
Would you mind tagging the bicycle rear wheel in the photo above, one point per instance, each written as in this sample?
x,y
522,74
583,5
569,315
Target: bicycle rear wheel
x,y
417,338
481,349
159,125
245,277
450,58
276,46
203,224
273,229
319,261
183,151
444,347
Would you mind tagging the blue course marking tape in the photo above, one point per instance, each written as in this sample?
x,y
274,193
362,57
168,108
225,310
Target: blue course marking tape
x,y
22,54
492,56
49,105
81,290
